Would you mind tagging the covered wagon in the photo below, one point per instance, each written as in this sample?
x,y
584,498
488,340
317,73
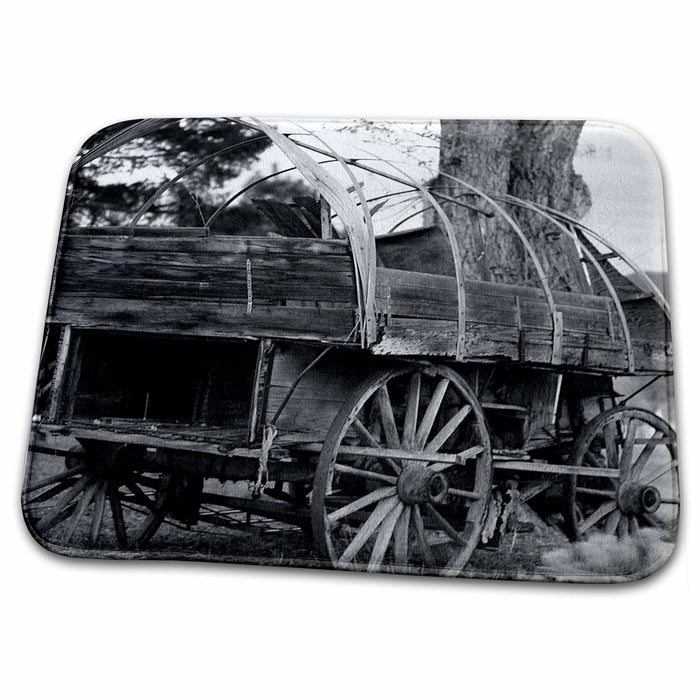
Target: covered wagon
x,y
363,386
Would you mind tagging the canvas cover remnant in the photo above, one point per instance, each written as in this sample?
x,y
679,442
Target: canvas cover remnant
x,y
397,347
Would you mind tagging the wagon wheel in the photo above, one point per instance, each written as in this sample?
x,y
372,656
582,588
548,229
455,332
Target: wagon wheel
x,y
100,500
641,447
403,480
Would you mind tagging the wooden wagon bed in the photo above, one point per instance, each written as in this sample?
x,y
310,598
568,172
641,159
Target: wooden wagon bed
x,y
183,281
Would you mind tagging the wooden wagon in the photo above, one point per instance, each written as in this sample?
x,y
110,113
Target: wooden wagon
x,y
400,416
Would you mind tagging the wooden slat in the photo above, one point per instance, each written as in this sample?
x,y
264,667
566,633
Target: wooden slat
x,y
264,291
320,394
204,318
144,231
418,295
421,280
120,238
146,263
64,346
547,468
197,270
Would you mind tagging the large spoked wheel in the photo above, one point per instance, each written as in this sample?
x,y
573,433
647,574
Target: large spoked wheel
x,y
404,477
100,500
640,487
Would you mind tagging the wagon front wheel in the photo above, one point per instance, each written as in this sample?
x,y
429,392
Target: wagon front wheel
x,y
102,499
638,487
404,476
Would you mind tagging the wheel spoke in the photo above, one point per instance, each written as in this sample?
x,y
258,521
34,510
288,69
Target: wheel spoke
x,y
426,425
623,526
412,403
387,415
638,467
81,509
612,522
118,516
51,518
364,473
98,513
381,544
360,503
368,527
401,537
634,525
50,493
651,521
443,524
611,446
628,448
141,497
369,438
426,552
448,429
662,471
594,517
67,474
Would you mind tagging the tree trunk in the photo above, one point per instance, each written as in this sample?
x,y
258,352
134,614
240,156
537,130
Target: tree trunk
x,y
532,160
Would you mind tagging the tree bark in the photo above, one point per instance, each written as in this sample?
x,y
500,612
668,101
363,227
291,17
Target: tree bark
x,y
532,160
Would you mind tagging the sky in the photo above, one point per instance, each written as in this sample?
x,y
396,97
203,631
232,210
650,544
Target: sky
x,y
624,178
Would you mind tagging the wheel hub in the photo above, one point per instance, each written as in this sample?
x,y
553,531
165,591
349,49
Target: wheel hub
x,y
418,484
635,497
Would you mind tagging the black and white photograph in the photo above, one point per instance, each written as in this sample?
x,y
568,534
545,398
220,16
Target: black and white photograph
x,y
437,347
349,350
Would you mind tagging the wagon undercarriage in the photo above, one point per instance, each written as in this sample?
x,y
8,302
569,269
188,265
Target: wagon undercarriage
x,y
411,470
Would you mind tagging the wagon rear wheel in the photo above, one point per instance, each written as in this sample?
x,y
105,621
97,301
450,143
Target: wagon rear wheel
x,y
102,499
404,476
641,492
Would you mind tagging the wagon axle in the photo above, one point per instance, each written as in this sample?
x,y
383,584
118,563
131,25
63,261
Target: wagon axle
x,y
634,497
419,484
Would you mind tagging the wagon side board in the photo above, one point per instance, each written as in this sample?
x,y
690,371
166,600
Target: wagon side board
x,y
305,289
508,322
219,286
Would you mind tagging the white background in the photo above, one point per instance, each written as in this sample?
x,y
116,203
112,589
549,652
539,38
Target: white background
x,y
93,629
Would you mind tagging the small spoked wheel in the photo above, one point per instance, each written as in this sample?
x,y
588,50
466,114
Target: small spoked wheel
x,y
404,477
100,500
639,489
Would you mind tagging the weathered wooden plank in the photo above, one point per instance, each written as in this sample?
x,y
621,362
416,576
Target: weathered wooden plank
x,y
548,468
321,392
154,439
59,376
91,239
205,318
122,262
415,337
424,280
144,231
503,313
264,291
